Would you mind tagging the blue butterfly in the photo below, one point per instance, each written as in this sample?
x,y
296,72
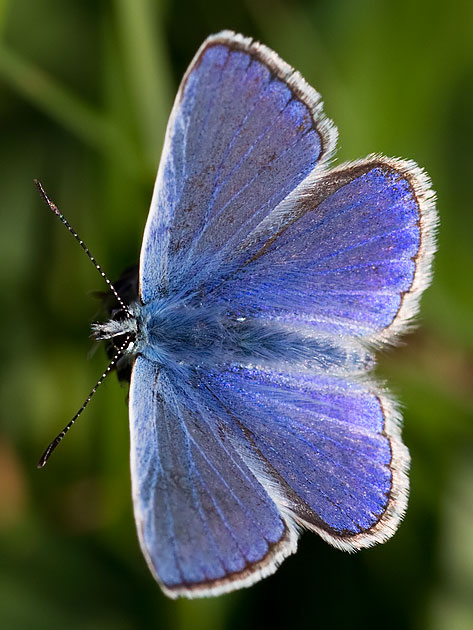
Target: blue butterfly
x,y
266,281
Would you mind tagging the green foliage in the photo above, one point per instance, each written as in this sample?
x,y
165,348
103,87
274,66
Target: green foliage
x,y
86,91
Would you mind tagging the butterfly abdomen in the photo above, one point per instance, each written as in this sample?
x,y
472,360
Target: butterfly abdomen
x,y
179,332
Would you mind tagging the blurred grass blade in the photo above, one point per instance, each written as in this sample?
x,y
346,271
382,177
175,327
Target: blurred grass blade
x,y
3,13
141,34
65,108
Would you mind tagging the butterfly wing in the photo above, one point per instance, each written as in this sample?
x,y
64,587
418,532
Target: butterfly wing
x,y
244,131
205,523
350,257
330,446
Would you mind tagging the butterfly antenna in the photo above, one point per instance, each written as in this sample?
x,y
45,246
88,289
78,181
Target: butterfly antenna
x,y
58,439
52,206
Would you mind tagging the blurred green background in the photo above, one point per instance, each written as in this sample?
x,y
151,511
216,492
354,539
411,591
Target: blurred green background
x,y
86,89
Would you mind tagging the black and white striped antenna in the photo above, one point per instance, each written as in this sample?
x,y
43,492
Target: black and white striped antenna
x,y
52,206
58,439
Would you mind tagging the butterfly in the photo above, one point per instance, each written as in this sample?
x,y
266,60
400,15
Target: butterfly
x,y
266,282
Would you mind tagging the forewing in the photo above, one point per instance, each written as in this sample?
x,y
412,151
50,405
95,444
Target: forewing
x,y
349,253
244,131
331,446
205,523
